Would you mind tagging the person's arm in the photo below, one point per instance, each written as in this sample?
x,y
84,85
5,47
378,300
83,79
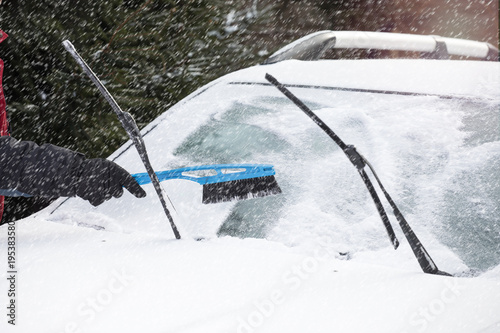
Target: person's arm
x,y
53,171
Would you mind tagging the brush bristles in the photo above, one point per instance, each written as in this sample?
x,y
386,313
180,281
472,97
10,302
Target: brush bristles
x,y
240,189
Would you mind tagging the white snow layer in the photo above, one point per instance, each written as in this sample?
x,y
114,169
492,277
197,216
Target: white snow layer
x,y
73,279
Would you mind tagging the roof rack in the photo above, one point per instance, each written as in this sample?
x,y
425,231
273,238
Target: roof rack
x,y
313,46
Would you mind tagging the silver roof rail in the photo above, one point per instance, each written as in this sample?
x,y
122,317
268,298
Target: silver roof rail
x,y
313,46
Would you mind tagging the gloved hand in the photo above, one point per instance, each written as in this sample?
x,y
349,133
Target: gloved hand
x,y
52,171
100,180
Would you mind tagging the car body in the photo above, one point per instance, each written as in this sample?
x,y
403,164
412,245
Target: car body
x,y
316,256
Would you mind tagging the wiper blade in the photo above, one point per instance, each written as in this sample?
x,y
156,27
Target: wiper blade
x,y
424,259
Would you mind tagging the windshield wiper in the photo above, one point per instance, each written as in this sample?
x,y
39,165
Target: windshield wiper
x,y
423,257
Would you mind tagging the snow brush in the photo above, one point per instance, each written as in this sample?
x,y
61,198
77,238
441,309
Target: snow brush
x,y
224,182
130,127
424,259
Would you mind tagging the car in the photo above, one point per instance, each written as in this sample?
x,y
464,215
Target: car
x,y
315,257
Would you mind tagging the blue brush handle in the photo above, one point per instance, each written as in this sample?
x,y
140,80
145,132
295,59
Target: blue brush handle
x,y
250,171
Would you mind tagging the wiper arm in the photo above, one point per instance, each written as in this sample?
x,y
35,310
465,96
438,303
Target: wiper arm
x,y
424,259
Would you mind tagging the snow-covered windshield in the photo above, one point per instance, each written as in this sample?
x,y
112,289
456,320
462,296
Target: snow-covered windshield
x,y
438,158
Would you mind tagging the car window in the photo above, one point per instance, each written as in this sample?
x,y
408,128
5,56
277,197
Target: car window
x,y
437,156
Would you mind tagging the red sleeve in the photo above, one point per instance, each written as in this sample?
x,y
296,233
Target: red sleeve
x,y
4,125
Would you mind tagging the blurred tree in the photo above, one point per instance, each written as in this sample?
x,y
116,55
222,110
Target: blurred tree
x,y
475,20
150,54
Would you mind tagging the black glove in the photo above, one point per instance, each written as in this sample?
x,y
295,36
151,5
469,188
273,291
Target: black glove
x,y
100,180
52,171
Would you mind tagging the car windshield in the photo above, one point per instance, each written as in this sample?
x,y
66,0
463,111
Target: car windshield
x,y
438,157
